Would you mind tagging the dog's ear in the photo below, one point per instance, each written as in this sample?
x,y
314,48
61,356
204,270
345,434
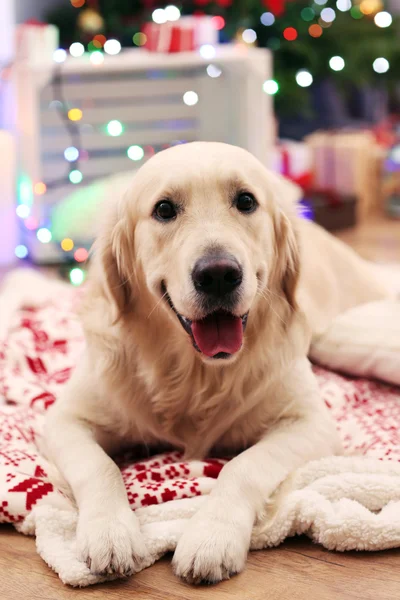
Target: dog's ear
x,y
287,196
114,251
289,253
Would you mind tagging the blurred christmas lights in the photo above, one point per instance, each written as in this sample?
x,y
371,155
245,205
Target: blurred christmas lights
x,y
81,254
213,71
31,223
315,30
267,19
40,188
336,63
343,5
304,78
270,87
135,152
249,36
44,235
75,176
290,34
383,19
75,114
307,14
112,47
172,13
207,51
76,49
23,211
67,244
21,251
218,22
139,39
115,128
59,55
328,15
190,98
159,16
320,2
71,154
97,57
381,65
76,276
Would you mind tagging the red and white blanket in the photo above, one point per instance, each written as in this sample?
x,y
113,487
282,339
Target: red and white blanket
x,y
350,502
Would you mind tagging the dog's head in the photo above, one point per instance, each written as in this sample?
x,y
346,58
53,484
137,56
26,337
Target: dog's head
x,y
204,236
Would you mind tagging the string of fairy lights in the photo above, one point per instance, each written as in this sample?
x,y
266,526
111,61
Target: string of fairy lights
x,y
317,15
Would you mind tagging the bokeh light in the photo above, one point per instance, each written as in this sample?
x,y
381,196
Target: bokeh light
x,y
336,63
213,71
383,19
218,22
343,5
172,13
304,78
97,57
44,235
290,34
135,152
40,188
328,15
207,51
76,49
315,30
271,87
71,154
112,47
381,65
59,55
190,98
81,254
249,36
78,3
76,276
267,19
75,114
159,16
31,223
307,14
356,12
21,251
75,176
23,211
67,244
139,39
115,128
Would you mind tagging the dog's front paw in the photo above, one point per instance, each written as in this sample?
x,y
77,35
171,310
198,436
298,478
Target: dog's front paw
x,y
111,543
211,550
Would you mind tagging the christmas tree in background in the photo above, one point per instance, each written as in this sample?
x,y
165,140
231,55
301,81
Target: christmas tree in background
x,y
333,60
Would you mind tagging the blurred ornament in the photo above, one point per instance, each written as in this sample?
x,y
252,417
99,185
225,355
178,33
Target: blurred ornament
x,y
90,20
277,7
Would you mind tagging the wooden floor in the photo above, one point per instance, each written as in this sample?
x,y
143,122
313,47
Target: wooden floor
x,y
297,570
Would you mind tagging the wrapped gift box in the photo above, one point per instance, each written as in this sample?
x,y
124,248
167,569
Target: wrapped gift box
x,y
331,213
36,42
189,33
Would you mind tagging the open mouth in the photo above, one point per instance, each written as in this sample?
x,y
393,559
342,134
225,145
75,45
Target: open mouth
x,y
218,335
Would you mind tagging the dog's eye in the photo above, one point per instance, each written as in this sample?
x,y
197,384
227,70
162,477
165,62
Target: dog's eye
x,y
246,203
164,211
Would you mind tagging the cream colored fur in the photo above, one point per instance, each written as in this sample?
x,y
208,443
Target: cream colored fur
x,y
141,381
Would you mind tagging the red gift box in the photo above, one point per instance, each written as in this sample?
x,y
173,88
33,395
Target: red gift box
x,y
169,37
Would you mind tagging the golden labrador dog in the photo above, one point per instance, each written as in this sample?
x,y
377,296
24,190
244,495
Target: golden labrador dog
x,y
204,292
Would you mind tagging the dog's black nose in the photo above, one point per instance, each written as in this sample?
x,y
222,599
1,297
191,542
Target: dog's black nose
x,y
217,275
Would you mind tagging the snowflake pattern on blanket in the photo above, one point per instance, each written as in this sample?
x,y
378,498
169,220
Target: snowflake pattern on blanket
x,y
38,356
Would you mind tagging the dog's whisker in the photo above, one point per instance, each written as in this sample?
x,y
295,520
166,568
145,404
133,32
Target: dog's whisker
x,y
154,307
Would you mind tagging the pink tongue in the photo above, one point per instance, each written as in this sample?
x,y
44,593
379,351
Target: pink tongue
x,y
219,332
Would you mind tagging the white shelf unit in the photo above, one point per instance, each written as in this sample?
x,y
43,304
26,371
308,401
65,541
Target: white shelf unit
x,y
144,91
